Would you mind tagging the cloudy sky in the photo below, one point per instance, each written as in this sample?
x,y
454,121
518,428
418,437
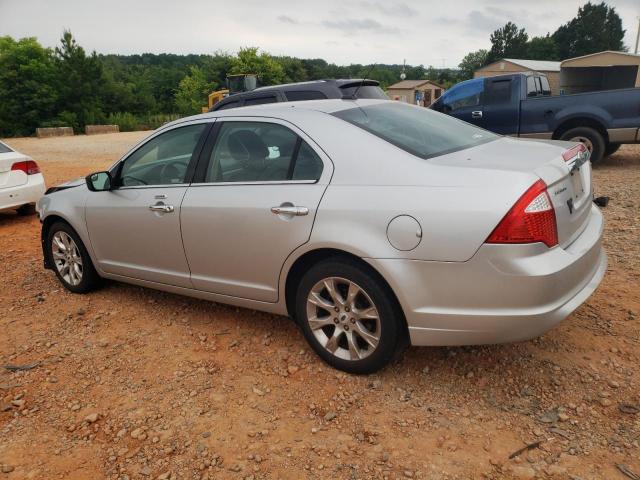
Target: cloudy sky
x,y
342,31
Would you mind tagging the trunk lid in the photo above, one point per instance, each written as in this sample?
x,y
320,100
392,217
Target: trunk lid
x,y
569,188
11,178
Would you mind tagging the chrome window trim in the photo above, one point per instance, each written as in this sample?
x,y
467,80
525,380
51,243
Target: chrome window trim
x,y
138,187
271,182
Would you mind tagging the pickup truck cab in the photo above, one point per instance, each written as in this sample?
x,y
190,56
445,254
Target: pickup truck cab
x,y
521,105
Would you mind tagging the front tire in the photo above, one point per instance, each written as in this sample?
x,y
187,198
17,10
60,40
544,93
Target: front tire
x,y
590,137
349,317
70,260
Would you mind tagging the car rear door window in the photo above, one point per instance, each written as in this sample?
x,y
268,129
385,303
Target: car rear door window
x,y
227,105
298,95
260,100
260,152
498,92
163,160
308,165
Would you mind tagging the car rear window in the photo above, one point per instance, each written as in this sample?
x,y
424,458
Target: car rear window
x,y
365,91
417,130
4,148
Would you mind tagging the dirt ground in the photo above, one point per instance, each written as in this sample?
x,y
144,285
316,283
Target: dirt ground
x,y
137,384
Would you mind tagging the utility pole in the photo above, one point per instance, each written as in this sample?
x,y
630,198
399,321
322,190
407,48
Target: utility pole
x,y
638,36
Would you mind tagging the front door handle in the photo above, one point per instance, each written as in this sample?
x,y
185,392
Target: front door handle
x,y
161,207
295,211
476,114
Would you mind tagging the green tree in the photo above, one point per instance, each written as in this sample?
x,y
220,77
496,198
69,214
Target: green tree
x,y
192,92
542,48
28,93
80,81
508,42
249,60
597,27
472,62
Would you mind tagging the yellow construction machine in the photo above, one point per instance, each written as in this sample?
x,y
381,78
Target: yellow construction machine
x,y
238,83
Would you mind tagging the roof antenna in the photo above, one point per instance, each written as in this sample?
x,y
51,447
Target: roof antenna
x,y
354,95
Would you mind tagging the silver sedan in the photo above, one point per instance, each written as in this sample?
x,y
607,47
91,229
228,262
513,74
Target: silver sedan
x,y
373,224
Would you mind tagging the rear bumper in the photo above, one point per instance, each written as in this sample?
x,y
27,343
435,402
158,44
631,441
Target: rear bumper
x,y
30,192
505,293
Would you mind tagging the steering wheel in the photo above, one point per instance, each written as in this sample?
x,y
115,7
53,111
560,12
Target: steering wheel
x,y
166,174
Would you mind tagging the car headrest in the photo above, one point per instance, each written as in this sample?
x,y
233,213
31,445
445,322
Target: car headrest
x,y
247,147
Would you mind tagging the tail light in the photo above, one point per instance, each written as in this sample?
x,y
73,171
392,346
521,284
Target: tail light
x,y
574,151
531,219
29,167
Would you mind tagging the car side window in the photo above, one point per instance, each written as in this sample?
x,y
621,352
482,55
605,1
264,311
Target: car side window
x,y
531,87
546,88
297,95
227,105
163,160
499,92
260,100
260,152
467,94
308,165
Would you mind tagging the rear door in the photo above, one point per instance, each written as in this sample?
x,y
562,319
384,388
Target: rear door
x,y
501,105
253,201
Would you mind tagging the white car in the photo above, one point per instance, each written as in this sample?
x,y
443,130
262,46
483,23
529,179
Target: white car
x,y
21,183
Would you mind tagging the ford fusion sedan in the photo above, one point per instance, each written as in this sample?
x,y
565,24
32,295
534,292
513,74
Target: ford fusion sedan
x,y
373,224
21,183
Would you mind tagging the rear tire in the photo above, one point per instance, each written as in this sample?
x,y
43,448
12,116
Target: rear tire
x,y
349,317
611,148
26,209
592,139
70,260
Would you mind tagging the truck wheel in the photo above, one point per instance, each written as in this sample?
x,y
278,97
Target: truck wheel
x,y
611,148
591,138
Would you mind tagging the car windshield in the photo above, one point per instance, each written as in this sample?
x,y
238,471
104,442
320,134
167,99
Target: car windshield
x,y
4,148
417,130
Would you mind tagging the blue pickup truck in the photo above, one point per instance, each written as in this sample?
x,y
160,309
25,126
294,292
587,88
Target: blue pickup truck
x,y
521,105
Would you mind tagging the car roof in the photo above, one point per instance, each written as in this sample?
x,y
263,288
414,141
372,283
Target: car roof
x,y
283,109
337,82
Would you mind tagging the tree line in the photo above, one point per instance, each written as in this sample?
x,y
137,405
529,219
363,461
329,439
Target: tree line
x,y
66,86
596,27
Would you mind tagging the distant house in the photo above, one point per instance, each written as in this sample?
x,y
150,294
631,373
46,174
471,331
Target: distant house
x,y
416,92
514,65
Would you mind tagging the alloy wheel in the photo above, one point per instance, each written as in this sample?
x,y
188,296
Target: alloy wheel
x,y
343,318
66,257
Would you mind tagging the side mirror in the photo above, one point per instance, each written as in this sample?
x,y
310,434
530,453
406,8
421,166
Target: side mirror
x,y
99,182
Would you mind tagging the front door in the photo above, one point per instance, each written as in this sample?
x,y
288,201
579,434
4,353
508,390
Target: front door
x,y
252,203
135,228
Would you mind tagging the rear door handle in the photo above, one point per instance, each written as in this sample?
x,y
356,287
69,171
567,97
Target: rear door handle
x,y
161,207
476,114
295,211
